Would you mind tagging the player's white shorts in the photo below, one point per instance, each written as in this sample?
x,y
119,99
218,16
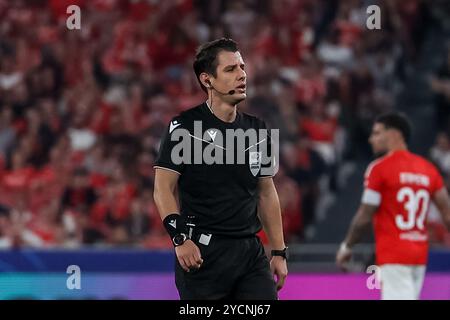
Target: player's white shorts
x,y
401,282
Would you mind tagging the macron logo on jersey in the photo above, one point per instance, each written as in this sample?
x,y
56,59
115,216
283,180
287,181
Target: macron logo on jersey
x,y
212,134
173,125
173,223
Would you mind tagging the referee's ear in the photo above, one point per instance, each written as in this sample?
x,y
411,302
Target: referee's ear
x,y
205,80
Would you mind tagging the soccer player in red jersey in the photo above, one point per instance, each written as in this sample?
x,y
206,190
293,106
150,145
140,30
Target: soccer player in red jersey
x,y
398,188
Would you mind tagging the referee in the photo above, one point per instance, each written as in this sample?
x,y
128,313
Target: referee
x,y
213,212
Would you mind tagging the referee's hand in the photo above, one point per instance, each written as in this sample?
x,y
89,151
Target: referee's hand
x,y
278,267
189,256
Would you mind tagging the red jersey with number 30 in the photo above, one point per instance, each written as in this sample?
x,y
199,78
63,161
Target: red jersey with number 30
x,y
401,184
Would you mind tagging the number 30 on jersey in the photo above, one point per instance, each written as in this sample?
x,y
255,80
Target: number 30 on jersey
x,y
411,200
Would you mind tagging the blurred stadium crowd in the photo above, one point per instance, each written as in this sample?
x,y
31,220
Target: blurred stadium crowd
x,y
440,151
82,111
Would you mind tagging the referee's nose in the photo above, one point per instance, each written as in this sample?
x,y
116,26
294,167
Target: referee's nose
x,y
242,75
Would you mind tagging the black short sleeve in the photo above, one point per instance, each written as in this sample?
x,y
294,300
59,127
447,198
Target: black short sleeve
x,y
268,150
164,159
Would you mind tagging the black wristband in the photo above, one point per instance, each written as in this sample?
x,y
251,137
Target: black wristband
x,y
175,224
281,253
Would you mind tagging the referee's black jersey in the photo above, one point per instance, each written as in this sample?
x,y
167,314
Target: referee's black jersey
x,y
221,196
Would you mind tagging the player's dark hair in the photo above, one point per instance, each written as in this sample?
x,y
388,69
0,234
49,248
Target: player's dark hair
x,y
398,121
206,56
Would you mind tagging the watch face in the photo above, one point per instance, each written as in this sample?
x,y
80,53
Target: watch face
x,y
179,239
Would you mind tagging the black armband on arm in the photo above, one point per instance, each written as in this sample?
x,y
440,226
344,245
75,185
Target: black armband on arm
x,y
175,224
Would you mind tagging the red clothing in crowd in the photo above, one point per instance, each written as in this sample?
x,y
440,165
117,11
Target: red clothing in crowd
x,y
320,130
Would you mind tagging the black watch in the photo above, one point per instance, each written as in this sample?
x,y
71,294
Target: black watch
x,y
280,253
179,239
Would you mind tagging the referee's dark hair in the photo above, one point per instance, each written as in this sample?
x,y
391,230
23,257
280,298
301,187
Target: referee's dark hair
x,y
206,56
396,120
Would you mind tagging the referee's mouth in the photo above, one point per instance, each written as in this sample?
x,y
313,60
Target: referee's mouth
x,y
241,88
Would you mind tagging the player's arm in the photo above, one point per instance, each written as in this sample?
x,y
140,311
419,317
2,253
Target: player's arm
x,y
359,226
270,214
371,200
442,201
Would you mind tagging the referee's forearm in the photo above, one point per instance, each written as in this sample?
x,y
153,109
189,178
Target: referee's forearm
x,y
165,202
270,215
165,192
